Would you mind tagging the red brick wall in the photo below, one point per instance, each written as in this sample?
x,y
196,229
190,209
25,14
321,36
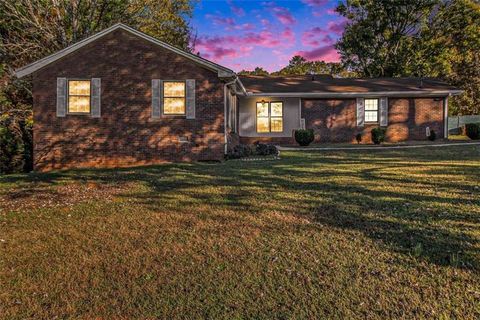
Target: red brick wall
x,y
274,140
335,120
125,134
409,118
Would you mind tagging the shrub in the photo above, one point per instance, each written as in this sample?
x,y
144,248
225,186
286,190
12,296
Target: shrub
x,y
378,135
263,149
358,137
472,130
16,146
27,137
304,136
11,149
240,151
432,135
244,150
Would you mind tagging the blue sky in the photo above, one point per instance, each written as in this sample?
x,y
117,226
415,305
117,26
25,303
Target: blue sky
x,y
243,34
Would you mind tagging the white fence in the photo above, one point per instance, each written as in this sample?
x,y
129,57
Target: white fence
x,y
455,122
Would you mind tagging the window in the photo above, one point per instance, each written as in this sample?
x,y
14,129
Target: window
x,y
79,96
371,110
269,117
276,116
174,97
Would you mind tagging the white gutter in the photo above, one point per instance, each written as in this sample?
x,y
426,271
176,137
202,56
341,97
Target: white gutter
x,y
225,88
445,117
433,93
244,91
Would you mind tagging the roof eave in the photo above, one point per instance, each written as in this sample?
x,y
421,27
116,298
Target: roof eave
x,y
431,93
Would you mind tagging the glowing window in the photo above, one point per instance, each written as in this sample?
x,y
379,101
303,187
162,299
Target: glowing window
x,y
276,116
174,97
79,96
371,110
269,117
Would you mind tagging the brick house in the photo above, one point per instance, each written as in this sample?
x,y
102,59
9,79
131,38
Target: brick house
x,y
123,98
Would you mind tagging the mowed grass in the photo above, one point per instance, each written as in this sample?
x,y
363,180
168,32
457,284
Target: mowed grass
x,y
360,234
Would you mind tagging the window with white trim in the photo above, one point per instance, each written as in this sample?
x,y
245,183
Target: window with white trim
x,y
174,97
371,110
78,96
269,116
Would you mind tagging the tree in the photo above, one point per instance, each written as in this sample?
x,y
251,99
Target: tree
x,y
451,50
380,36
258,71
423,38
298,65
166,20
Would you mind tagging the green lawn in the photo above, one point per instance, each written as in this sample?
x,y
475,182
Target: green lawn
x,y
361,234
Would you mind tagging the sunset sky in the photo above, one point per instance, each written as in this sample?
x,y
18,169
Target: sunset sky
x,y
243,34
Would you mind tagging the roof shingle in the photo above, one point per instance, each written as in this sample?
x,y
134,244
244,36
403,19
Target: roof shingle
x,y
327,84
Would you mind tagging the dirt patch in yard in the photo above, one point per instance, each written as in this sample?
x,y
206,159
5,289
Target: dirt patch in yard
x,y
48,196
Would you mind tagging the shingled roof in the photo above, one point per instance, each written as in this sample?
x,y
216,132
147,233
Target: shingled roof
x,y
327,85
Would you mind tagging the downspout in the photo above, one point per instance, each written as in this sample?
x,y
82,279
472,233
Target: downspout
x,y
445,116
225,88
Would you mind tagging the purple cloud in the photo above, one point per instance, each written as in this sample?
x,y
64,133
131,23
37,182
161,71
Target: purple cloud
x,y
220,20
219,47
315,3
229,23
283,15
244,27
326,53
316,36
337,27
310,36
238,11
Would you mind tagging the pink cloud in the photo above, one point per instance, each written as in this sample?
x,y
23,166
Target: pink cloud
x,y
238,11
326,53
219,47
328,39
310,37
315,3
331,11
220,20
337,27
288,35
264,39
229,23
316,37
219,53
320,12
283,15
244,27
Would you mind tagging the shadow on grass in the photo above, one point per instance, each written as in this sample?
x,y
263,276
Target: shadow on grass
x,y
347,190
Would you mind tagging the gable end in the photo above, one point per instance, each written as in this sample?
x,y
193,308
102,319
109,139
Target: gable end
x,y
222,72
